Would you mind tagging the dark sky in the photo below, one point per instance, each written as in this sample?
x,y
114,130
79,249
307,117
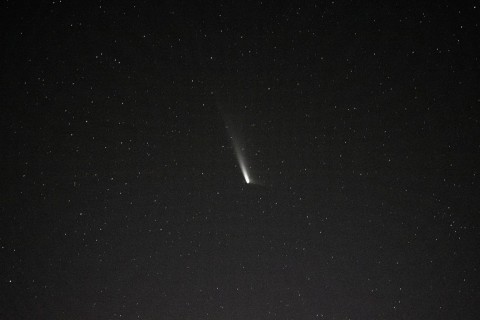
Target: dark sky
x,y
125,128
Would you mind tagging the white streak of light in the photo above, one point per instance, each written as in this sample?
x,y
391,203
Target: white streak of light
x,y
244,171
241,162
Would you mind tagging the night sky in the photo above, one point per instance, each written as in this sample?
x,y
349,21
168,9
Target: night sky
x,y
240,160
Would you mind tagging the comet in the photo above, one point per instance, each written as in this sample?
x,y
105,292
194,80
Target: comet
x,y
234,130
241,161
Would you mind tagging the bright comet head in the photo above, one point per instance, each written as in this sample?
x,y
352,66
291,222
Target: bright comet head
x,y
243,167
242,163
239,152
